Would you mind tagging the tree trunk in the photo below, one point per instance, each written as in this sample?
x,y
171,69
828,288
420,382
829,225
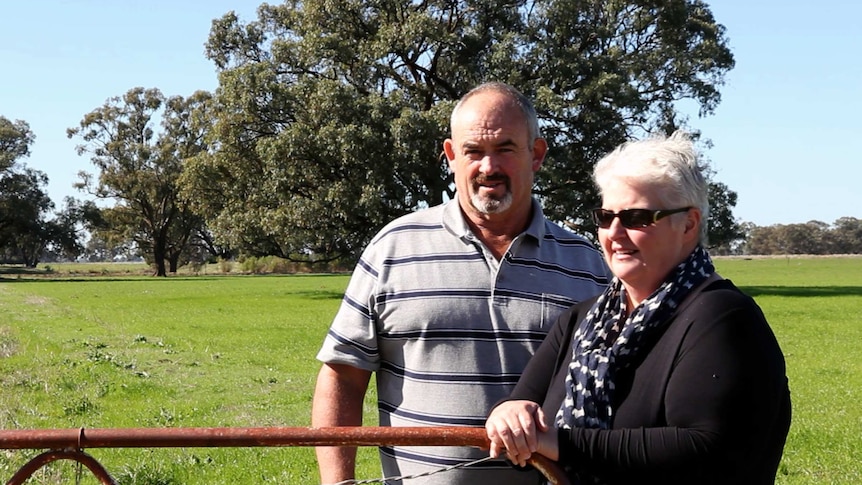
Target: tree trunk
x,y
160,267
173,260
31,262
159,259
29,258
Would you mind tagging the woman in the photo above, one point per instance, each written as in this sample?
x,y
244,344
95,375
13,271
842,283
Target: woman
x,y
672,375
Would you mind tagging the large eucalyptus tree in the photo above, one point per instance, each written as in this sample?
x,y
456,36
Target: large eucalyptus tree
x,y
140,142
330,115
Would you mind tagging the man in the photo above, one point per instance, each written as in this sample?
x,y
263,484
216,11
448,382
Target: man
x,y
447,304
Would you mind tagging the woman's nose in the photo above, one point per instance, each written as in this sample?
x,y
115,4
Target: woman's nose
x,y
616,229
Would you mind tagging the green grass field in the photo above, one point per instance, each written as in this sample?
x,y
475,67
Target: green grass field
x,y
106,348
815,308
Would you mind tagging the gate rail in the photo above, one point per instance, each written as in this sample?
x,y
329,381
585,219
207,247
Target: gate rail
x,y
70,443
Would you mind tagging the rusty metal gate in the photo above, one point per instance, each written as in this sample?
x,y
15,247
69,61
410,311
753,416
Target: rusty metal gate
x,y
69,444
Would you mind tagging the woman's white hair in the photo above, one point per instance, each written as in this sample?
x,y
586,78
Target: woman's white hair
x,y
670,164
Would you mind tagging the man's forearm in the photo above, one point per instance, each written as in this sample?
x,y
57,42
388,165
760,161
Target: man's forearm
x,y
338,399
336,463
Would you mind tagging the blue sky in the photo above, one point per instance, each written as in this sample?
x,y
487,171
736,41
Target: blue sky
x,y
782,134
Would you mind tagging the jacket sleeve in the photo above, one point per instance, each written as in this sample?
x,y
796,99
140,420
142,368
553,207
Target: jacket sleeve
x,y
537,378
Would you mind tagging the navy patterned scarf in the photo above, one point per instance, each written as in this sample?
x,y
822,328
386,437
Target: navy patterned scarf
x,y
606,341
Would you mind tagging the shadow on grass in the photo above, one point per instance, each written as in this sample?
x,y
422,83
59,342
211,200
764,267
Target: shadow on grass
x,y
18,275
795,291
319,294
22,273
22,270
99,278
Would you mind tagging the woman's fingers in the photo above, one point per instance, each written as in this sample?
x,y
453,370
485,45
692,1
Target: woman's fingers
x,y
512,429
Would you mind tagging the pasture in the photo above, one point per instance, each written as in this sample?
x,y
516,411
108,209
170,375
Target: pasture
x,y
107,348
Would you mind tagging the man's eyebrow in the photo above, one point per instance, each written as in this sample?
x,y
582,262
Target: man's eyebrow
x,y
507,143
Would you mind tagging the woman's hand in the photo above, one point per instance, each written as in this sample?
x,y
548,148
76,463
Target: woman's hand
x,y
518,429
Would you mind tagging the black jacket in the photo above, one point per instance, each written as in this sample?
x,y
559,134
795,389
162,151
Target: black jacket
x,y
707,404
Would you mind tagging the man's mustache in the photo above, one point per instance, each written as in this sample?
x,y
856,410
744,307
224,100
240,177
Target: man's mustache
x,y
484,179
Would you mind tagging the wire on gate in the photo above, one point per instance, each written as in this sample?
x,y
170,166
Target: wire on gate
x,y
418,475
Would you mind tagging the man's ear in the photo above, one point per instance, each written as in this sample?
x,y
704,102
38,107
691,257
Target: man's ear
x,y
449,153
540,149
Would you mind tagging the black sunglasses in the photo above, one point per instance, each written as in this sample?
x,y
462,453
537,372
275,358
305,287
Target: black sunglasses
x,y
632,218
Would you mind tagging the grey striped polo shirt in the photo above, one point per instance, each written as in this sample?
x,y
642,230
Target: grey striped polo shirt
x,y
448,329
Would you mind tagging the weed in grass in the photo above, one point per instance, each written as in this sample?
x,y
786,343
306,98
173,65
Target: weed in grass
x,y
80,407
8,343
147,474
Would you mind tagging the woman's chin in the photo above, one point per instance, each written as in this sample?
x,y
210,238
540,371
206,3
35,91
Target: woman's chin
x,y
625,267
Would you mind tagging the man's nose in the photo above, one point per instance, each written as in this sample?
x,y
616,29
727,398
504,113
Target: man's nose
x,y
489,164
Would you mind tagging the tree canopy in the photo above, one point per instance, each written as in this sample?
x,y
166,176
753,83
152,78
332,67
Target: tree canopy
x,y
15,140
25,229
329,118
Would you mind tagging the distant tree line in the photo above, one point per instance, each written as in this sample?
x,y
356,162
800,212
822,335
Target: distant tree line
x,y
153,218
844,236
